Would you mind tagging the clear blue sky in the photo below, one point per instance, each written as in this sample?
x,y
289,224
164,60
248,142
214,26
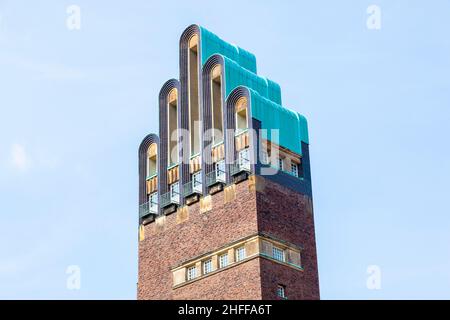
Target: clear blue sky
x,y
76,104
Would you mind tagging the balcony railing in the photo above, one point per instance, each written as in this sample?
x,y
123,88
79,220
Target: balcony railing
x,y
242,164
170,198
215,176
147,209
191,188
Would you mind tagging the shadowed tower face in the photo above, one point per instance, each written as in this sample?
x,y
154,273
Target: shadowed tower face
x,y
225,200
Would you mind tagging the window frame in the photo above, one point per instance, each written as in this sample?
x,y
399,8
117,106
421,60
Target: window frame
x,y
175,196
280,163
220,170
294,165
223,264
197,183
281,291
237,251
206,263
190,276
278,254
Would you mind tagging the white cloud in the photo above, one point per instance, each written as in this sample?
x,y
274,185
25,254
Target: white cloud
x,y
19,158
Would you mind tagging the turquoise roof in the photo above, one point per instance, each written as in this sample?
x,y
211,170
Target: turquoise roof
x,y
266,104
212,44
293,127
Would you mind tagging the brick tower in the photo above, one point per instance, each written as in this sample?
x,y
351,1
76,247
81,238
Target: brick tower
x,y
225,202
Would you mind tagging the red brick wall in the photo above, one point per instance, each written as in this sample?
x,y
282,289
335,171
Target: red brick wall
x,y
288,216
201,233
240,282
283,214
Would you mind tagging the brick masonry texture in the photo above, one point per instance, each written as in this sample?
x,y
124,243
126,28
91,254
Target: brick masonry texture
x,y
276,211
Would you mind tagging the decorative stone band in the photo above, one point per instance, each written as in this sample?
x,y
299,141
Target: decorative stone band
x,y
236,253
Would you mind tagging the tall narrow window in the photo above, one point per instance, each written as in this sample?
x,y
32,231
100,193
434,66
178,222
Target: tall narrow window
x,y
172,120
241,115
151,160
216,100
194,109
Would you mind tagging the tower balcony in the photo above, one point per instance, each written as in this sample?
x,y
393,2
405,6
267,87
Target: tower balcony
x,y
148,208
191,188
242,163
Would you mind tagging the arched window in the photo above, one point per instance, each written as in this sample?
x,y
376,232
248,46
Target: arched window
x,y
216,100
194,109
172,126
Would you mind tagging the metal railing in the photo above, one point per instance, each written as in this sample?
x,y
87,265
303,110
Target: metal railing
x,y
169,198
215,176
147,209
191,188
240,165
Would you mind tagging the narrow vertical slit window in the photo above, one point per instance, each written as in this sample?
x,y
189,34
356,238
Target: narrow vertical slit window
x,y
151,160
241,115
216,100
193,86
172,132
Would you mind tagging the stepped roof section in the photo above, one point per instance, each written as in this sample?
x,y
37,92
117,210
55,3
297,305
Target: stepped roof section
x,y
266,105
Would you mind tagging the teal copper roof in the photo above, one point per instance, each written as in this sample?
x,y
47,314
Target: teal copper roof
x,y
266,104
212,44
293,127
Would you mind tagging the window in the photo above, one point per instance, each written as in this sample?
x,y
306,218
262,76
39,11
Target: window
x,y
240,254
207,266
264,157
172,120
153,202
152,160
281,291
294,169
278,254
191,273
216,100
241,120
244,159
194,110
220,171
280,164
197,182
223,260
175,192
